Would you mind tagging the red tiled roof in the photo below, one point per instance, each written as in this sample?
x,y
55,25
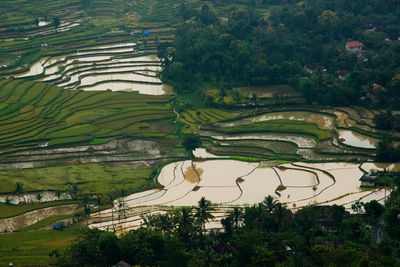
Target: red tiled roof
x,y
354,44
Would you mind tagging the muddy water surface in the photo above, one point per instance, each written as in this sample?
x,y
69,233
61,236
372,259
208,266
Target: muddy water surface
x,y
355,139
36,69
323,121
149,89
300,140
132,77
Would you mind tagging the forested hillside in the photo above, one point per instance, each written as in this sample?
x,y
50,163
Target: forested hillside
x,y
296,43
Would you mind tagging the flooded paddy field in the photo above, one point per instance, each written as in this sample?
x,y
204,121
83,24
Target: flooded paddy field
x,y
229,183
114,67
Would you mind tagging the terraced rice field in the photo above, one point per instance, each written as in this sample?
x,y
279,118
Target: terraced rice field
x,y
343,133
115,67
40,114
230,183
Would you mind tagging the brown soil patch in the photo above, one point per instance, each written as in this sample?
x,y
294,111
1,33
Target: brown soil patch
x,y
199,159
280,187
160,187
191,176
282,168
240,180
196,188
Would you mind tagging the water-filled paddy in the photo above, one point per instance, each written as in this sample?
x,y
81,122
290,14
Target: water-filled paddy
x,y
300,140
241,183
355,139
151,89
231,182
323,121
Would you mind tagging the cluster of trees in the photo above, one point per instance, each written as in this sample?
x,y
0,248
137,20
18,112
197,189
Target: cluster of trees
x,y
387,121
266,234
386,151
264,49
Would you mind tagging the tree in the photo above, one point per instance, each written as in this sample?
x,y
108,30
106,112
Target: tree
x,y
56,22
270,203
19,189
203,212
357,206
236,214
191,142
386,152
39,197
58,194
328,18
373,210
73,190
185,222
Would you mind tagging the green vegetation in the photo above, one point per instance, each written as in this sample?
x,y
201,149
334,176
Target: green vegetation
x,y
280,126
92,178
14,210
264,234
192,118
299,44
36,112
27,248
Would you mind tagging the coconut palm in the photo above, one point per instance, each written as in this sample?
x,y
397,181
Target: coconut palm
x,y
203,212
270,203
185,221
236,215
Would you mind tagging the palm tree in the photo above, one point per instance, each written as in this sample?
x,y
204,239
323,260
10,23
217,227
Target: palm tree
x,y
236,215
184,220
270,203
280,211
203,212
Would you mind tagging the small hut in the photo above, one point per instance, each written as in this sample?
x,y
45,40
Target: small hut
x,y
368,180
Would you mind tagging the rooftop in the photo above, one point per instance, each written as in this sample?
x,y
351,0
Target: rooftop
x,y
354,44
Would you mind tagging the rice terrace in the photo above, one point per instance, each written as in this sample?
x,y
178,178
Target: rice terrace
x,y
193,129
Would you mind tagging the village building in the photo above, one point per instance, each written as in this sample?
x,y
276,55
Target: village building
x,y
314,67
368,180
354,47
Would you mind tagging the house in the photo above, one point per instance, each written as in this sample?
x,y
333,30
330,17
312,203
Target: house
x,y
354,47
368,180
314,67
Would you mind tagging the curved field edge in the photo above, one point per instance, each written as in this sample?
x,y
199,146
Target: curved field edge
x,y
87,115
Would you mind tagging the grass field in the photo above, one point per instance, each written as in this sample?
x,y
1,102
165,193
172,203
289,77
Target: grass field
x,y
90,178
280,126
33,248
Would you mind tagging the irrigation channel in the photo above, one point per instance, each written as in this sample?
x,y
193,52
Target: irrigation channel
x,y
229,183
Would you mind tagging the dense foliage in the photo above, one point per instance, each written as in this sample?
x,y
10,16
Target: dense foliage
x,y
267,234
277,47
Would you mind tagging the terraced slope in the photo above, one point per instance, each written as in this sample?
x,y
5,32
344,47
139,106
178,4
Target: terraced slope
x,y
36,113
